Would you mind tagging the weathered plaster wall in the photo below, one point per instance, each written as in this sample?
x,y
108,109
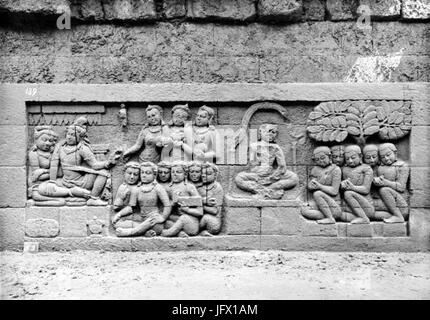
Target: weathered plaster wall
x,y
210,41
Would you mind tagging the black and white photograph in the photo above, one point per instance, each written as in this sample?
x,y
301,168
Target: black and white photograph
x,y
214,154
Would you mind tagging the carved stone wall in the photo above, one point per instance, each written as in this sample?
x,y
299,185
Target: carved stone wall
x,y
272,214
214,41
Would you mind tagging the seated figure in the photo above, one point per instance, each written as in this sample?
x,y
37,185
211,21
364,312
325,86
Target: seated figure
x,y
357,180
338,155
42,190
212,198
324,183
122,199
79,165
148,196
391,179
371,157
163,175
268,177
186,202
195,173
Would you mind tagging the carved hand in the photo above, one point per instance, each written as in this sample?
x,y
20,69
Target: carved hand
x,y
211,202
116,218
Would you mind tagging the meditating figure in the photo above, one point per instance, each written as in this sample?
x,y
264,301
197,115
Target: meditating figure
x,y
186,202
391,182
152,138
338,155
212,195
42,190
357,180
79,165
123,194
268,177
324,183
148,196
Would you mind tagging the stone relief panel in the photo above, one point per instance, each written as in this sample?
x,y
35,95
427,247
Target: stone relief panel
x,y
189,169
358,182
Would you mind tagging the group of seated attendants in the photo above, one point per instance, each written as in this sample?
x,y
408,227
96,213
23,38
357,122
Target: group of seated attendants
x,y
371,181
168,199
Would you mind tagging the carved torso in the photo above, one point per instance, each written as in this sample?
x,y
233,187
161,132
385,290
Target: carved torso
x,y
359,176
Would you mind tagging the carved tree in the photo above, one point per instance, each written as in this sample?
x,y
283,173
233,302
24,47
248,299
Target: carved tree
x,y
333,121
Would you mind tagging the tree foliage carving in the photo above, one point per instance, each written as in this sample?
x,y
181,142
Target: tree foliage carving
x,y
333,121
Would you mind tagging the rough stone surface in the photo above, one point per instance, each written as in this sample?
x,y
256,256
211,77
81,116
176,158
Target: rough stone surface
x,y
359,230
87,10
174,8
73,222
43,228
341,229
15,180
313,10
281,220
395,229
312,228
275,10
419,225
420,199
17,134
420,135
416,9
342,9
378,228
240,10
242,220
52,213
11,228
250,202
129,10
43,7
383,9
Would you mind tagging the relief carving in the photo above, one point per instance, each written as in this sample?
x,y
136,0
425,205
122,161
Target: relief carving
x,y
374,181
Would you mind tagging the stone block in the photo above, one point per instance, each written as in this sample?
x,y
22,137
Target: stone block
x,y
312,228
13,180
378,229
281,220
390,37
241,10
43,228
13,146
174,9
87,10
73,222
285,11
12,228
341,229
420,199
313,10
219,69
13,110
52,213
382,9
231,201
420,178
342,9
42,7
395,229
129,10
242,220
359,230
419,225
419,142
421,110
184,39
416,9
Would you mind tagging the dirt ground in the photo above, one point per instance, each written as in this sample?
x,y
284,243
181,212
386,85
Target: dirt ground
x,y
214,275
